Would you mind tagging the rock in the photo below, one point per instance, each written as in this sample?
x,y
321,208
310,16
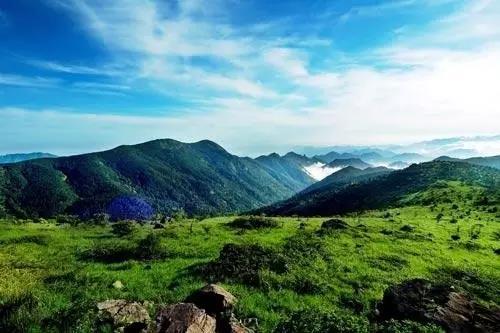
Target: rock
x,y
118,284
184,318
213,299
124,316
422,301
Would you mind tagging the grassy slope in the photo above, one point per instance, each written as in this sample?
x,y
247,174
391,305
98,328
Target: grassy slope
x,y
360,263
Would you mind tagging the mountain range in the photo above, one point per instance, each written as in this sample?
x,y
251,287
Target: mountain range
x,y
202,178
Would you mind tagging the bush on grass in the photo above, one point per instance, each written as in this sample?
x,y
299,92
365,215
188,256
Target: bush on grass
x,y
253,222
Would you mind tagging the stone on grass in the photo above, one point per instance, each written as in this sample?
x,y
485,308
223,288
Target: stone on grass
x,y
124,316
213,299
422,301
184,318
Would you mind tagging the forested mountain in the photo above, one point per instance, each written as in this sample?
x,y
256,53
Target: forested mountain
x,y
386,190
289,169
200,178
13,158
345,162
491,161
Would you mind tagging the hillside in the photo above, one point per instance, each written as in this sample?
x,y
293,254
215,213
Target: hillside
x,y
387,190
289,169
345,162
201,178
14,158
490,161
346,176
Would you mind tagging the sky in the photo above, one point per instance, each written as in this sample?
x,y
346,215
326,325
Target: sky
x,y
255,76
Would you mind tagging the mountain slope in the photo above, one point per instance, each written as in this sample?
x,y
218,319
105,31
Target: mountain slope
x,y
490,161
289,169
14,158
386,190
201,178
345,162
346,176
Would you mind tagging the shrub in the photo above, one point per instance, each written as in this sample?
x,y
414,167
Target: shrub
x,y
333,224
130,208
243,263
253,222
124,228
311,321
35,239
150,248
68,219
110,251
407,228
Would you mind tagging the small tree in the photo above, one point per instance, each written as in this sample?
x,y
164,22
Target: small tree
x,y
123,228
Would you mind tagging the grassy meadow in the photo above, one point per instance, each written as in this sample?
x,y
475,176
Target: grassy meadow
x,y
52,275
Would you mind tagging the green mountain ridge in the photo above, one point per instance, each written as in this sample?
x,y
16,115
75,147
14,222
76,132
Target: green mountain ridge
x,y
200,178
387,190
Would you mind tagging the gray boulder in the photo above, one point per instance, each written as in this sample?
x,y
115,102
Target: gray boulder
x,y
184,318
124,316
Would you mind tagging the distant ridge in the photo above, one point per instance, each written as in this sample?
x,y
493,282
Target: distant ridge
x,y
14,158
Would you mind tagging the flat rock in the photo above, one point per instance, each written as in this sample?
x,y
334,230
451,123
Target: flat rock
x,y
125,316
184,318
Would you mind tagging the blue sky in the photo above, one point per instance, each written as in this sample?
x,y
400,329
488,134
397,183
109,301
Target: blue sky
x,y
255,76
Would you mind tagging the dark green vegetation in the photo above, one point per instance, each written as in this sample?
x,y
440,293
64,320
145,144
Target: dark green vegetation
x,y
200,178
346,176
289,169
392,190
491,161
300,275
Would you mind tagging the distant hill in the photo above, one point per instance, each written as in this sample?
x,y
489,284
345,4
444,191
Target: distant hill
x,y
14,158
346,176
345,162
289,169
201,178
386,190
491,161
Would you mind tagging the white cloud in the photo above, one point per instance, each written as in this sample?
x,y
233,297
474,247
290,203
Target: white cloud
x,y
27,81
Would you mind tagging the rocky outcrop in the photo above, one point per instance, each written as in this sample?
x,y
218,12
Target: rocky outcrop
x,y
124,316
422,301
184,318
213,299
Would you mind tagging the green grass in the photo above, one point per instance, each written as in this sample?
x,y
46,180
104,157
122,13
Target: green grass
x,y
45,280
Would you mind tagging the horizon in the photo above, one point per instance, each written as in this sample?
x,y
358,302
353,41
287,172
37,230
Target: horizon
x,y
254,77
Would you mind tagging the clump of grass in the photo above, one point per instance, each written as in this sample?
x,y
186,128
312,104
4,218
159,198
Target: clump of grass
x,y
407,326
124,228
112,251
244,264
253,222
319,321
35,239
407,228
331,225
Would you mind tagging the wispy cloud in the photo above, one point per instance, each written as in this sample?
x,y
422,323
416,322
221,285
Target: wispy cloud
x,y
28,81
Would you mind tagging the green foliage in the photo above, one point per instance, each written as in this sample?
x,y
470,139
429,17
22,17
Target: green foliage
x,y
317,321
407,326
124,228
150,248
253,222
